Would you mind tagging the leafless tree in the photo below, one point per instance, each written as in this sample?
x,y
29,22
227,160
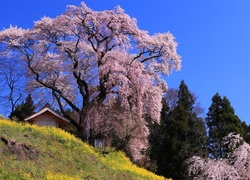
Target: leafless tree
x,y
12,85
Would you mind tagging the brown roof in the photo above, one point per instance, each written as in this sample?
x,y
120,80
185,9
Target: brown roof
x,y
46,108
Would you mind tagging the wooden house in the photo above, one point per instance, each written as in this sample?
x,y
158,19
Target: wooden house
x,y
48,117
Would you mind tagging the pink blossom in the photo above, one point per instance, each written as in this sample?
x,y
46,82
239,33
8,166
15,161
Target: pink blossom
x,y
89,59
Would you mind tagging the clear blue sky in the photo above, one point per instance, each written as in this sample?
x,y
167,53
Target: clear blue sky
x,y
213,37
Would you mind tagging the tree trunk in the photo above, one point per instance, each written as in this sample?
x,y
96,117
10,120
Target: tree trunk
x,y
82,133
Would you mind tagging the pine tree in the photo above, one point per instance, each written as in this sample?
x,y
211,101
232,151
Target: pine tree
x,y
221,120
167,144
246,133
185,98
180,135
29,106
24,109
196,131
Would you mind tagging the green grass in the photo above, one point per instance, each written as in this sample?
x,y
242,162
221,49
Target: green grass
x,y
51,153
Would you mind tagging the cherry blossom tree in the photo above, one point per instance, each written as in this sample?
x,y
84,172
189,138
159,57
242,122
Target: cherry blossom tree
x,y
200,169
88,59
234,166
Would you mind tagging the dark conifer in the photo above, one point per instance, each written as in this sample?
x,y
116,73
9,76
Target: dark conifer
x,y
24,109
246,132
221,120
181,134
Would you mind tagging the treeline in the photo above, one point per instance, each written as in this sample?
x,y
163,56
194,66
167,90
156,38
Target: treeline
x,y
182,133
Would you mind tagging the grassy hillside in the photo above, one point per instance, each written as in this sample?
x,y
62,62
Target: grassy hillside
x,y
31,152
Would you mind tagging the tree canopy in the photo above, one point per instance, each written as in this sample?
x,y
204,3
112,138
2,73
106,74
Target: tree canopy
x,y
87,59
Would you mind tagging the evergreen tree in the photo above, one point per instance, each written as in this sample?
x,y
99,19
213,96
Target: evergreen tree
x,y
185,98
196,131
29,106
24,109
167,144
180,135
246,132
221,120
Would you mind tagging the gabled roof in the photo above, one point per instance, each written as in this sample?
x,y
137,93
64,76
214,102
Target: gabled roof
x,y
46,108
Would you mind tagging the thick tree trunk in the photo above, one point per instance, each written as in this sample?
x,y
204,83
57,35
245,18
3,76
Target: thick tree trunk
x,y
82,133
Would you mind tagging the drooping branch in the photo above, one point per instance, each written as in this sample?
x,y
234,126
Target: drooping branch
x,y
72,121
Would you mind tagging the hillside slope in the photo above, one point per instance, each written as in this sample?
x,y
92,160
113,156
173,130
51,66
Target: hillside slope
x,y
31,152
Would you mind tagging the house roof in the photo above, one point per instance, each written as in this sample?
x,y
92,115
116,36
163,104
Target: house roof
x,y
46,108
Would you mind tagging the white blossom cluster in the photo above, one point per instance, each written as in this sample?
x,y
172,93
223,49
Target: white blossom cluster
x,y
232,140
235,167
